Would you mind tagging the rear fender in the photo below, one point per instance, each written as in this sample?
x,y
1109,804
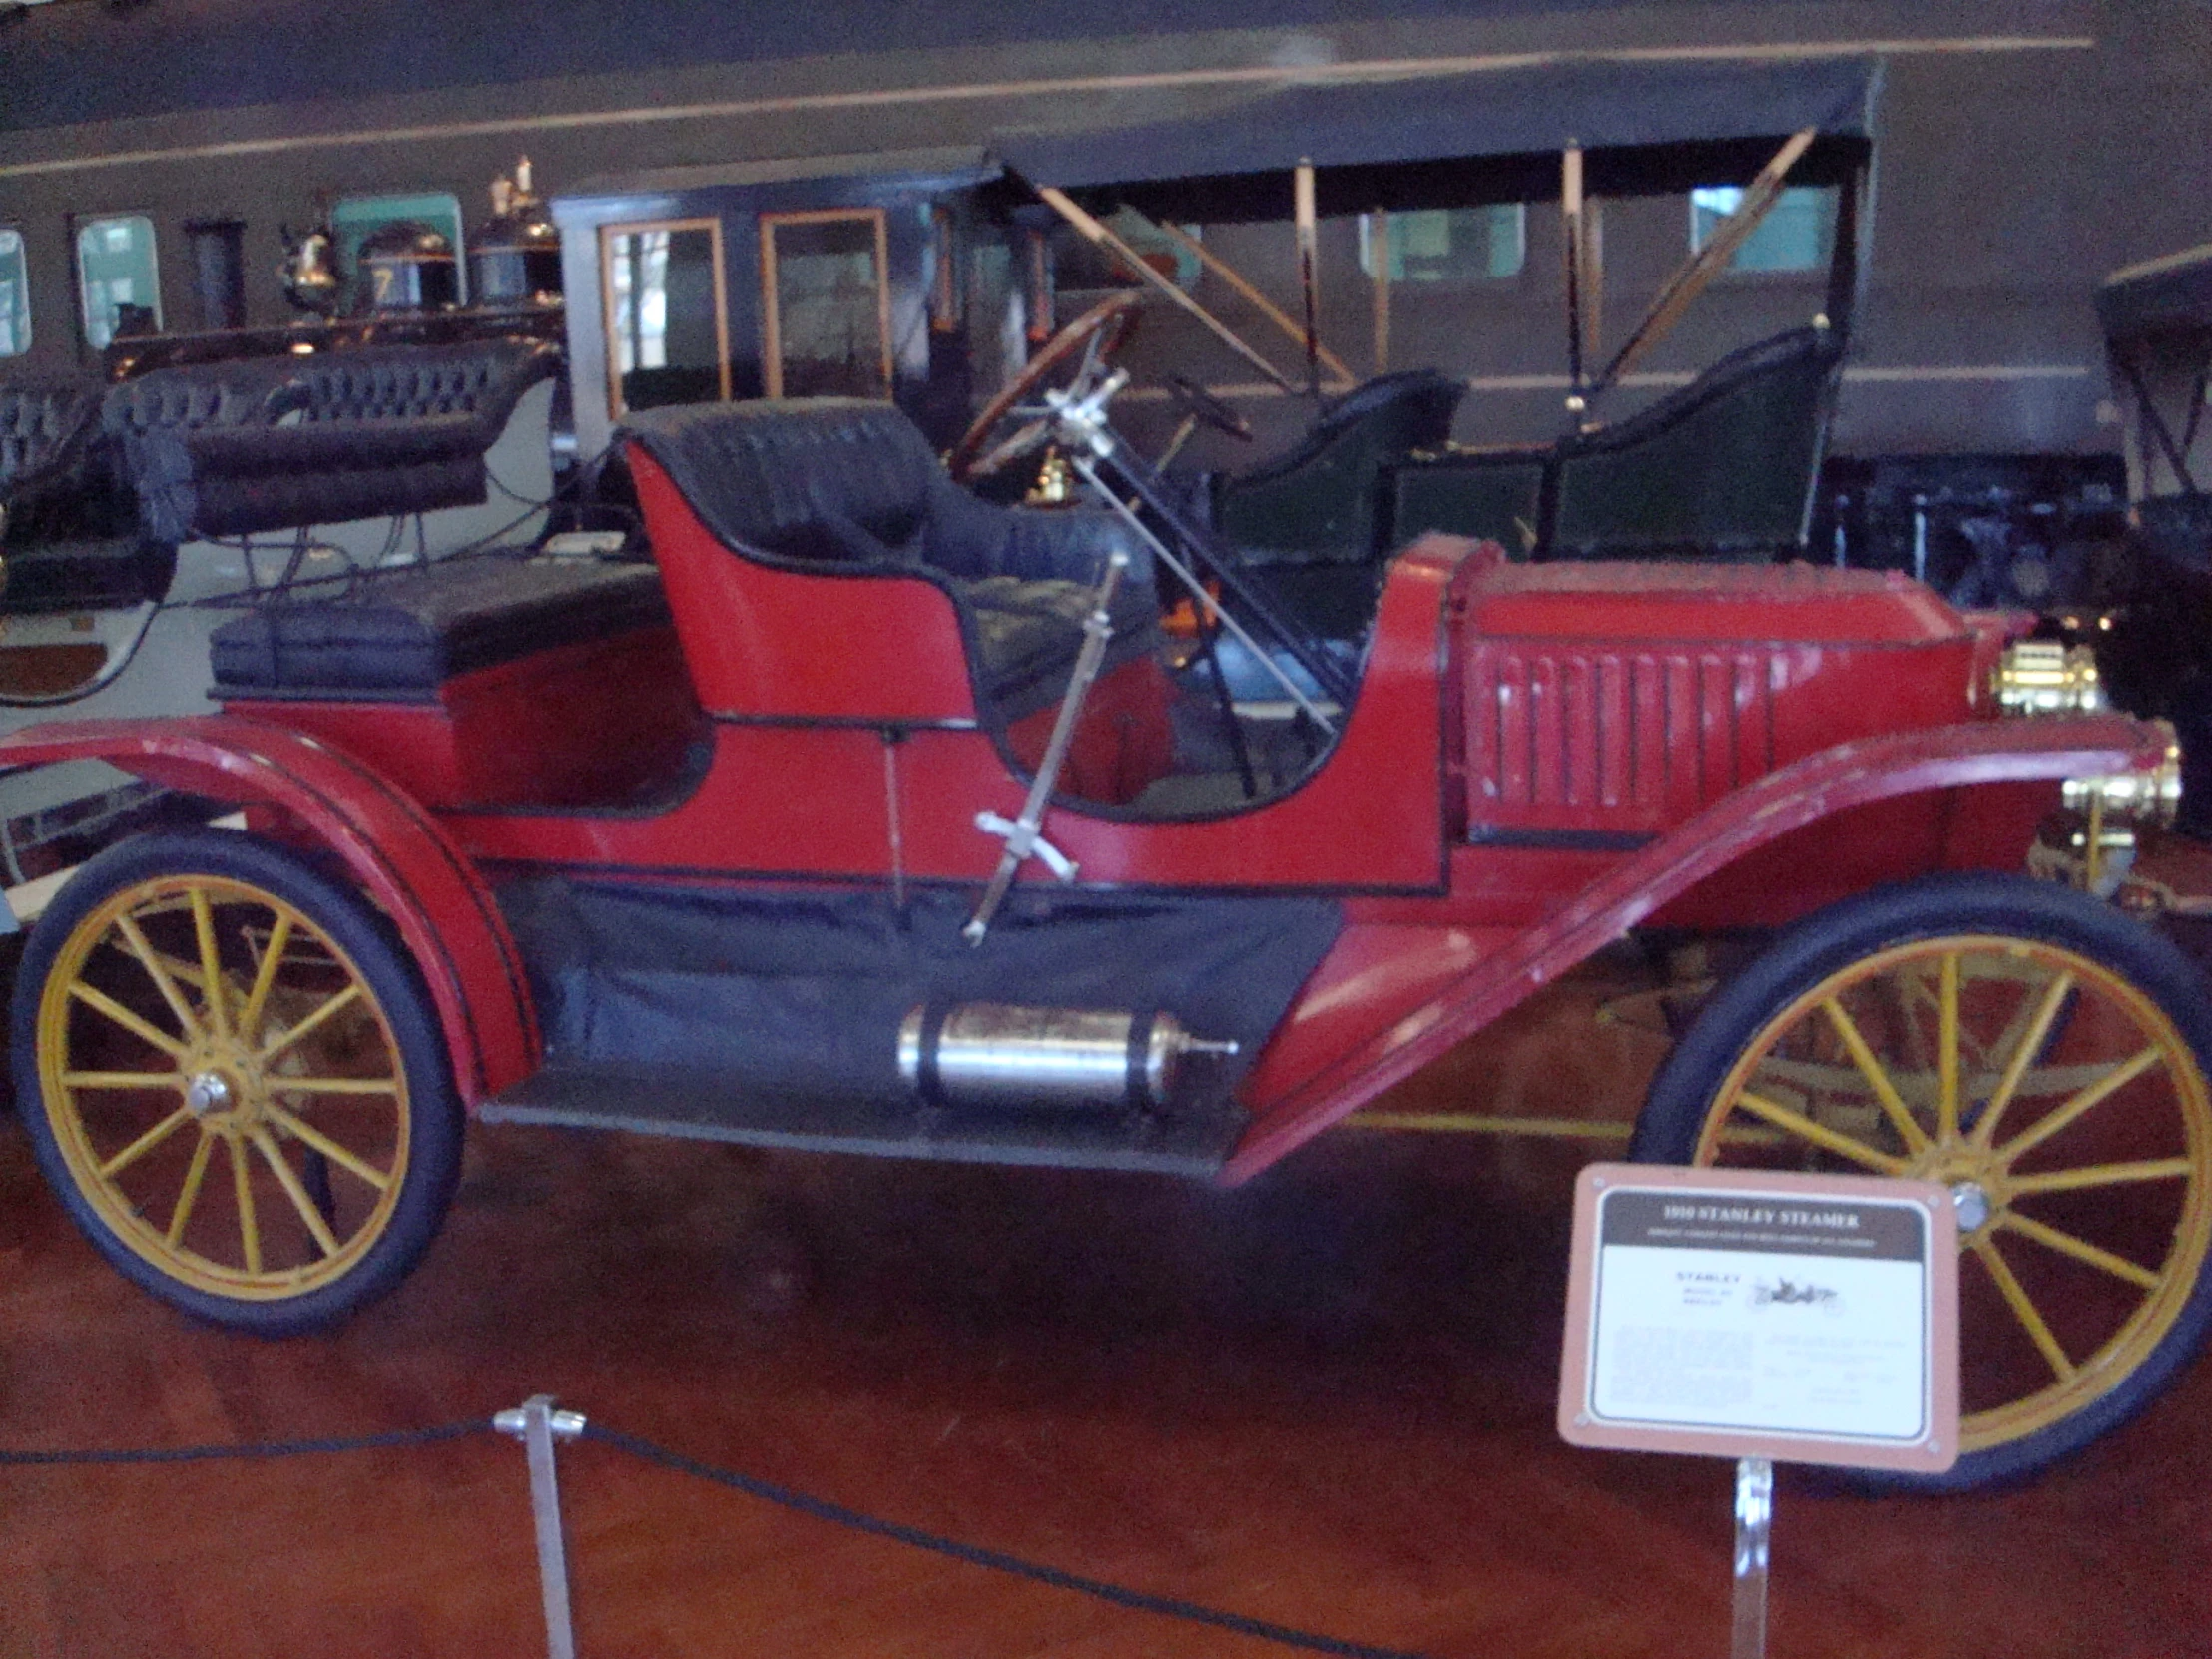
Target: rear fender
x,y
1507,967
390,846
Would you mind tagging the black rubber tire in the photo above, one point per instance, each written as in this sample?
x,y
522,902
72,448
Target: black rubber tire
x,y
1800,957
435,1121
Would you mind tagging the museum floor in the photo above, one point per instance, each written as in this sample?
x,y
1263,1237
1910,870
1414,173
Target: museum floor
x,y
1324,1402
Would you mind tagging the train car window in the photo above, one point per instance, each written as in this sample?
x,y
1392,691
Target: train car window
x,y
119,277
825,309
15,295
666,312
1796,234
355,219
1450,245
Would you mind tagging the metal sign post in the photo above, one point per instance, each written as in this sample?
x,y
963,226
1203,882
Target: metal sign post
x,y
1764,1316
1753,1516
537,1426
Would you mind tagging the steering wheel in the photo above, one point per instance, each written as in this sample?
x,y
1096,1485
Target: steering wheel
x,y
1091,341
1204,407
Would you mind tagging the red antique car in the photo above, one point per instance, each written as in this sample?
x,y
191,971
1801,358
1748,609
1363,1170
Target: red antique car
x,y
873,816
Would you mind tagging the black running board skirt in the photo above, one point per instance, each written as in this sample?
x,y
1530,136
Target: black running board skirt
x,y
692,1105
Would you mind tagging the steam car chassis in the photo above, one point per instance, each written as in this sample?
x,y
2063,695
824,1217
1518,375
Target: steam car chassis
x,y
697,847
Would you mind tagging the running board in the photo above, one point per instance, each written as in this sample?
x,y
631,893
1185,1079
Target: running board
x,y
691,1105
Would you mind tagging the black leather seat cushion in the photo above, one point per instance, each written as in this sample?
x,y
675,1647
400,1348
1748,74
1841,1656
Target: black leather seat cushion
x,y
853,485
265,443
401,634
1322,501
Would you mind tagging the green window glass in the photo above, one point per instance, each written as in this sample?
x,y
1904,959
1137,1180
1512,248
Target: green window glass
x,y
1451,244
1796,234
356,218
119,277
15,297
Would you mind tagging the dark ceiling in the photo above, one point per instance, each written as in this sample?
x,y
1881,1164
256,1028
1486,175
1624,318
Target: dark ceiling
x,y
100,60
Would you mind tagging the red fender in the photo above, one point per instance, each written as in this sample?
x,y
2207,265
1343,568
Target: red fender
x,y
1525,961
391,847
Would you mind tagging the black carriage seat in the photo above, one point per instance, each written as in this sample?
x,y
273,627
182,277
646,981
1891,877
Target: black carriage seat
x,y
265,443
852,485
72,537
1319,502
1723,467
399,635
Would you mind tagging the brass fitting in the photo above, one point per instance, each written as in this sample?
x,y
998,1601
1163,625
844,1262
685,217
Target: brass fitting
x,y
2044,677
2151,796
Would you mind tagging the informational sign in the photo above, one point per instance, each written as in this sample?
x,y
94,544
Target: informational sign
x,y
1805,1318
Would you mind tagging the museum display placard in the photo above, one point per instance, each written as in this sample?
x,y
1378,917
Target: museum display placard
x,y
1808,1319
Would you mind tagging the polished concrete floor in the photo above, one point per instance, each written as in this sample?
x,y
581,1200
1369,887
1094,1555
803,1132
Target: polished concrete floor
x,y
1324,1400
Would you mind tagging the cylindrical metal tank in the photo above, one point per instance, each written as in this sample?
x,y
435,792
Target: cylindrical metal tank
x,y
990,1054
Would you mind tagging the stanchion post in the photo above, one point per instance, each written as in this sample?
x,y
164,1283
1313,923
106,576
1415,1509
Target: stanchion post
x,y
1754,1520
537,1426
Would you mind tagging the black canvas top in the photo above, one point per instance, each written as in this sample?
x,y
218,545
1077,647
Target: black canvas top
x,y
1347,130
2158,295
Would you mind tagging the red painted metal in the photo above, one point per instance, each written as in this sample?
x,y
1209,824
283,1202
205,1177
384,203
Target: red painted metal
x,y
1399,1040
809,801
793,644
1538,760
397,853
1624,698
576,724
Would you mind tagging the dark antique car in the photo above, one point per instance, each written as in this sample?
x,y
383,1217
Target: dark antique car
x,y
873,817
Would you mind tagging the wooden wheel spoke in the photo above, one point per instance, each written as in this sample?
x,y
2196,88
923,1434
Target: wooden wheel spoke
x,y
2015,1066
147,1142
242,1183
194,1173
1946,1056
308,1135
1820,1135
2114,1079
101,1003
211,962
123,1079
2023,1307
1893,1104
333,1085
313,1021
265,977
2119,1266
274,1155
158,971
2102,1175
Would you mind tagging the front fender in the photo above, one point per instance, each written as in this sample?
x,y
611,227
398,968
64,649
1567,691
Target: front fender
x,y
389,844
1508,966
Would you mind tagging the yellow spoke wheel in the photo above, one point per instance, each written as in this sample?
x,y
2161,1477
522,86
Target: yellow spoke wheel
x,y
233,1081
2041,1055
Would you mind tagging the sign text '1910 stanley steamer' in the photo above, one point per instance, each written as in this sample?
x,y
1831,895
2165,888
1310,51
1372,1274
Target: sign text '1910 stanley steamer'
x,y
869,814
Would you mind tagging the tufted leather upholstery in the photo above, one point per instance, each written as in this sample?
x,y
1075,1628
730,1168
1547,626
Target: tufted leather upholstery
x,y
843,482
72,535
270,442
37,423
1319,501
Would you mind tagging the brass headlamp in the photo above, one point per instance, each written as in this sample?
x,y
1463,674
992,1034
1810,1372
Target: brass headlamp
x,y
2045,677
2151,796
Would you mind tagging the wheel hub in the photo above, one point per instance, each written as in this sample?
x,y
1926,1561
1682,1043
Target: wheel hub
x,y
1973,1205
209,1091
224,1086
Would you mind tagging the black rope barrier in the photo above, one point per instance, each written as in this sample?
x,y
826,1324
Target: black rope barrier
x,y
997,1560
250,1449
836,1515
